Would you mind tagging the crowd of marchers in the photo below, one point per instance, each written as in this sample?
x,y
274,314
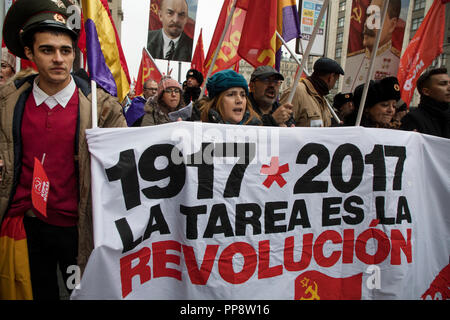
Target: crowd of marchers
x,y
44,113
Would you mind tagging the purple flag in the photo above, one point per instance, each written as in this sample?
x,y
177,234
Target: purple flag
x,y
98,69
288,25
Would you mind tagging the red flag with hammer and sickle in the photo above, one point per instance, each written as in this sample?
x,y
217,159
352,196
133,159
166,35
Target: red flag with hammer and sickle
x,y
147,70
314,285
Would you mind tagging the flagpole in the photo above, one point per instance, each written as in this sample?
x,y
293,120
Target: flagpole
x,y
308,50
94,103
2,17
216,53
306,72
372,63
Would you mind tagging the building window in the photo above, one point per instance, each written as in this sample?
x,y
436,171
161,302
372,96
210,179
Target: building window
x,y
440,61
339,37
415,23
342,6
338,52
419,4
341,22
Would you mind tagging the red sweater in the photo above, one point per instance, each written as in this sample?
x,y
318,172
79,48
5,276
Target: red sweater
x,y
50,131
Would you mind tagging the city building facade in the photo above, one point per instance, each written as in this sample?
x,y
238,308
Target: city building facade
x,y
115,7
339,25
339,14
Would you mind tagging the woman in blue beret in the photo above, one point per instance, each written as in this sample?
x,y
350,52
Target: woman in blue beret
x,y
228,100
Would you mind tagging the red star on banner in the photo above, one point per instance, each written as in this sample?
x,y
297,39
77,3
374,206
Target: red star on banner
x,y
274,172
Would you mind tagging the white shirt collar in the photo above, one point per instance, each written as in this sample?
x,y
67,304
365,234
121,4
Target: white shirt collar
x,y
62,97
167,41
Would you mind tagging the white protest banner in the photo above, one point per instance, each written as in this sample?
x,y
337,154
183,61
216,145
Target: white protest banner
x,y
204,211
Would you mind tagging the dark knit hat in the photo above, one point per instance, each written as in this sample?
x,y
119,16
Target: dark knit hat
x,y
327,65
341,98
197,75
27,16
224,80
379,90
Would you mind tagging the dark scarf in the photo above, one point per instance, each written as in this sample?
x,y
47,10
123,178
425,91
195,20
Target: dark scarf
x,y
191,94
320,85
438,110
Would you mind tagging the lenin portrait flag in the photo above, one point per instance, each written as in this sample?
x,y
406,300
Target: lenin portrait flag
x,y
171,29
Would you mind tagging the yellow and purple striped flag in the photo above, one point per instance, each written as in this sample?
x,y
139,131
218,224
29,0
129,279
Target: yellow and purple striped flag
x,y
106,61
288,25
15,279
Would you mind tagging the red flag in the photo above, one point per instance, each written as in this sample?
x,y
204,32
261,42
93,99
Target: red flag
x,y
423,48
82,43
198,60
357,20
236,67
314,285
227,56
147,70
439,288
40,188
258,40
24,64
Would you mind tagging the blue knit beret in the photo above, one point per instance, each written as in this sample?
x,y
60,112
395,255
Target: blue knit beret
x,y
224,80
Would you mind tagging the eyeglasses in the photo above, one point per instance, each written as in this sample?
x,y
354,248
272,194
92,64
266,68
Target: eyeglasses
x,y
152,89
271,81
172,90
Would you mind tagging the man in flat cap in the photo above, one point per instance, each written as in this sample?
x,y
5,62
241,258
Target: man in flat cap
x,y
47,114
309,104
264,85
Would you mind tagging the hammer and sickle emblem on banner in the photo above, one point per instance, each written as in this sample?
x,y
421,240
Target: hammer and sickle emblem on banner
x,y
154,8
147,72
312,292
357,14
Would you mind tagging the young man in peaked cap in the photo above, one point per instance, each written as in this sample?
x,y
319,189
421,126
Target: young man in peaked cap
x,y
48,113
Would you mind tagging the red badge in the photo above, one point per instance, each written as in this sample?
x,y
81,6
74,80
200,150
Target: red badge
x,y
40,188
